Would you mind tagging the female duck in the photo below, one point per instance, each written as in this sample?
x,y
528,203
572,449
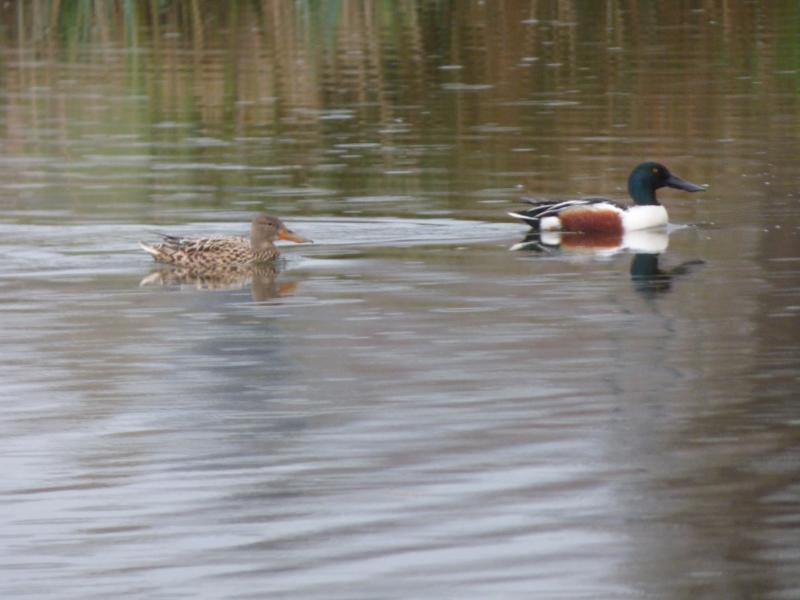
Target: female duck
x,y
601,215
216,252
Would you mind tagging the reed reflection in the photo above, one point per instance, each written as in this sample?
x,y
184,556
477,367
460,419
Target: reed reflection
x,y
292,81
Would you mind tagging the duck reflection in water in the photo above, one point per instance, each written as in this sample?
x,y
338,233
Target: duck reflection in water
x,y
647,276
262,279
649,279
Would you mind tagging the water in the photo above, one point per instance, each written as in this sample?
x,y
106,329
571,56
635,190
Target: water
x,y
408,408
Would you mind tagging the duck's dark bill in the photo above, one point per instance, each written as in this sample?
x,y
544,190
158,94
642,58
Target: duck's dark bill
x,y
288,234
681,184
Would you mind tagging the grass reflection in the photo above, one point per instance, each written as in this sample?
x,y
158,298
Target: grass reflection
x,y
339,92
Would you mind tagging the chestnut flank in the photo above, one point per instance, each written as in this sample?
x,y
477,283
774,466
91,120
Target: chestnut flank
x,y
594,220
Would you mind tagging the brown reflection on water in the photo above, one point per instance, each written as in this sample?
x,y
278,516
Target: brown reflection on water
x,y
262,280
565,84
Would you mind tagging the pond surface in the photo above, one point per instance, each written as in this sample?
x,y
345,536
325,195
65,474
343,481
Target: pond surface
x,y
421,404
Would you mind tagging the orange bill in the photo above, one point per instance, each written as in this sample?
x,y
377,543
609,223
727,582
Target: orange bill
x,y
288,234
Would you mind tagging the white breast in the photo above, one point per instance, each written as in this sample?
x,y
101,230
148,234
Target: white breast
x,y
644,217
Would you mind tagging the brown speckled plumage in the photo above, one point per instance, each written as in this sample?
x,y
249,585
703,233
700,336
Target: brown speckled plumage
x,y
217,251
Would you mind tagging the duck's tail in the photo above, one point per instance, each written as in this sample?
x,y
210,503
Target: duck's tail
x,y
538,209
153,251
532,220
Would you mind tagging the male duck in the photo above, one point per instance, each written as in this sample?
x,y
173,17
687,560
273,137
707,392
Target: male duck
x,y
601,215
216,252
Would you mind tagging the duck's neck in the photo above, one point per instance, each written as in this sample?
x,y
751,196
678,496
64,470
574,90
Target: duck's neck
x,y
262,247
265,253
642,192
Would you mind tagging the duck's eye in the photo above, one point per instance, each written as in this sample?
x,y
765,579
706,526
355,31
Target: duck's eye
x,y
654,170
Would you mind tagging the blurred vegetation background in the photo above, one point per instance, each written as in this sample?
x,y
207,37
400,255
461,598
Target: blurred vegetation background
x,y
441,88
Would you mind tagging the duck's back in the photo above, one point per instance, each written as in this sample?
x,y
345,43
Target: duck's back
x,y
547,214
207,252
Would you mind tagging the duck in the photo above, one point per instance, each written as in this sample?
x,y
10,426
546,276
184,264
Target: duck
x,y
217,252
601,215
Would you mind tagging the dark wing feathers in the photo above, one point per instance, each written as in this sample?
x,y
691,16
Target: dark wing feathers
x,y
173,240
547,208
